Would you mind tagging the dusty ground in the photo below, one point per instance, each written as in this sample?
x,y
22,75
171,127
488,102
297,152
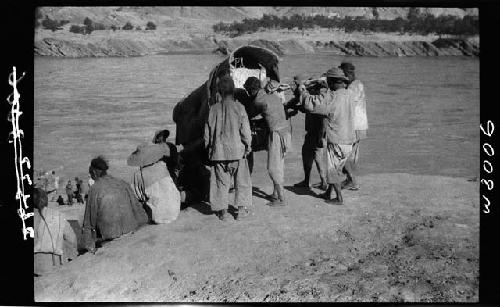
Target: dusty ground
x,y
402,237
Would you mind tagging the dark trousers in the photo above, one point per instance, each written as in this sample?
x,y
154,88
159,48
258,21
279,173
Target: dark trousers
x,y
70,199
313,153
79,197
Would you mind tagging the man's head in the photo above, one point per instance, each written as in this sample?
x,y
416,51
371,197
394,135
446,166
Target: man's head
x,y
336,79
298,79
252,86
161,136
272,86
225,86
40,199
348,69
98,167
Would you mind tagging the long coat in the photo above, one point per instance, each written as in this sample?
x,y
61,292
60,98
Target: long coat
x,y
112,209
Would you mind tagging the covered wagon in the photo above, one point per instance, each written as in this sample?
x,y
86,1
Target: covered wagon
x,y
191,113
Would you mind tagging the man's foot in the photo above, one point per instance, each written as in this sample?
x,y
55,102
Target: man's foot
x,y
345,184
273,197
325,195
348,184
321,185
276,203
242,213
302,184
222,215
334,201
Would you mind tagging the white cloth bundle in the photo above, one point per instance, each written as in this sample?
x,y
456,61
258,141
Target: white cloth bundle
x,y
240,75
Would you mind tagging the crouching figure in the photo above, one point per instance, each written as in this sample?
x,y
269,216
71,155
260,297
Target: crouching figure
x,y
153,184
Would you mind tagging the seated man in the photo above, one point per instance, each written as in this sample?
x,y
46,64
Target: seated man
x,y
112,209
55,241
60,201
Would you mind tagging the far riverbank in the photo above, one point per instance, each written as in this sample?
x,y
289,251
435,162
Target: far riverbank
x,y
140,43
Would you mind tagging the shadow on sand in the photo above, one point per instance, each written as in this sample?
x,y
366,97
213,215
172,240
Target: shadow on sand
x,y
303,191
261,194
205,209
200,206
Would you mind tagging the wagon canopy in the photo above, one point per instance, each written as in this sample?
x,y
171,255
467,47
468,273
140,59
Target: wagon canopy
x,y
191,113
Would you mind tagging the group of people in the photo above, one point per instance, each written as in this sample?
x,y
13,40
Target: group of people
x,y
228,140
49,182
335,121
113,207
78,193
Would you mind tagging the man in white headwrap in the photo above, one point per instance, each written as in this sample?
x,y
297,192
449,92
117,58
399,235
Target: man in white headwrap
x,y
335,106
358,100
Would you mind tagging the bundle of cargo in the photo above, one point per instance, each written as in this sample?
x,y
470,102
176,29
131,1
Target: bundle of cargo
x,y
240,73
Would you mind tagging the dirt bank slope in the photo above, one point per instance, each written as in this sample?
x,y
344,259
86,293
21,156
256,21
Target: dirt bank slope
x,y
401,238
134,47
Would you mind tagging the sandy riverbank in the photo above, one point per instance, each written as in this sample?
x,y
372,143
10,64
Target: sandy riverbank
x,y
401,237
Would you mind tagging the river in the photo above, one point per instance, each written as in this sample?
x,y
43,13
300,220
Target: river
x,y
423,112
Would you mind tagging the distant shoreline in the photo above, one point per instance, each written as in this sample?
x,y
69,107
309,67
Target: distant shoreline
x,y
127,47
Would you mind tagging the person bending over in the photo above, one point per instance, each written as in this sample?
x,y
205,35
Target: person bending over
x,y
279,136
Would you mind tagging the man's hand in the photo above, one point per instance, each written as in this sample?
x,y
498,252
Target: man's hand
x,y
248,150
292,112
180,147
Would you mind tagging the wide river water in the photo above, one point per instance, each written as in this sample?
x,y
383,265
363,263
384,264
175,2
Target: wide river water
x,y
423,112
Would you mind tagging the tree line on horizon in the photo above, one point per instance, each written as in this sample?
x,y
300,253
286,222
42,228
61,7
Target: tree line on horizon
x,y
415,23
88,25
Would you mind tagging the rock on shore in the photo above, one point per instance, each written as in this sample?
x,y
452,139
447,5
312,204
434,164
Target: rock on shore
x,y
129,47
